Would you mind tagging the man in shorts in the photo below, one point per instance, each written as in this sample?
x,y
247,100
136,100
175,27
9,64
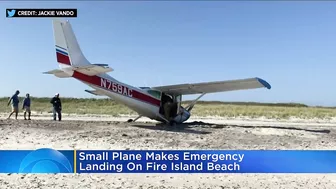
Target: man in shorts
x,y
15,104
26,107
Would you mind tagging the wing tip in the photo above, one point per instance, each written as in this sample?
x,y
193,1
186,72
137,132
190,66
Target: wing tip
x,y
264,83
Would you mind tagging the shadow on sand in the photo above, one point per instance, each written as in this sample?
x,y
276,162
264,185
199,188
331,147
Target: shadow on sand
x,y
188,127
181,128
219,126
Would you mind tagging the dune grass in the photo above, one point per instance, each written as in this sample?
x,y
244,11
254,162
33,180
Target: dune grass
x,y
202,108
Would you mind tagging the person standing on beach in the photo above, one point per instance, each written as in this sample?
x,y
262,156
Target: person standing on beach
x,y
26,107
57,107
15,104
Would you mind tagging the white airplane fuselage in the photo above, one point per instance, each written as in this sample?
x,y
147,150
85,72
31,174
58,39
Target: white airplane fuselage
x,y
137,99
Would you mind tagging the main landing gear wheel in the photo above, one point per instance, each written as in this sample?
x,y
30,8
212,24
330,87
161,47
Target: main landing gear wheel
x,y
133,120
172,123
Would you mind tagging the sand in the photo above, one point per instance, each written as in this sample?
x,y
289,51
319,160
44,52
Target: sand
x,y
210,133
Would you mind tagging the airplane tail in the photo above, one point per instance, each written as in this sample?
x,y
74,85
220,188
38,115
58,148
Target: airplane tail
x,y
68,51
69,55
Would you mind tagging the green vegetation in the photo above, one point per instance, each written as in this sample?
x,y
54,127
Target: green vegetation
x,y
202,108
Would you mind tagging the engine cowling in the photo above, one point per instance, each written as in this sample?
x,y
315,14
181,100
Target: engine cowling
x,y
182,116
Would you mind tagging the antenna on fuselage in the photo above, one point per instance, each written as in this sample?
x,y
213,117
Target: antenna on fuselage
x,y
160,80
145,83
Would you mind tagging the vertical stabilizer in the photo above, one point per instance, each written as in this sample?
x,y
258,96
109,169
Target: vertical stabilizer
x,y
68,52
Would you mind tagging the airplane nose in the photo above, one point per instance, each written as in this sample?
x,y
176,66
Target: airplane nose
x,y
183,116
188,113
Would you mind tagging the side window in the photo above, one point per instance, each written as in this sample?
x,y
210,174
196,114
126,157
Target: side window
x,y
156,94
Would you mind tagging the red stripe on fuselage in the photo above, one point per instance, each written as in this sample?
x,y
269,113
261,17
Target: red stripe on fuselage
x,y
146,98
96,80
61,58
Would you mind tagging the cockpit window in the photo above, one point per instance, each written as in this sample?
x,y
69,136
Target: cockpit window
x,y
156,94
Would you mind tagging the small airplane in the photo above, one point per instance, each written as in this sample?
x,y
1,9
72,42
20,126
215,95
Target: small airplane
x,y
161,103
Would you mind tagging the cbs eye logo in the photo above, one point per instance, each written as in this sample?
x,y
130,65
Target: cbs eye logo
x,y
45,160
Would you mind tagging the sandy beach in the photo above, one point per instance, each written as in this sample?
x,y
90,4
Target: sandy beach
x,y
200,133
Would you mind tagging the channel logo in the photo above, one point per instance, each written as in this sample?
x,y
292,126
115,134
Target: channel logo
x,y
10,13
45,160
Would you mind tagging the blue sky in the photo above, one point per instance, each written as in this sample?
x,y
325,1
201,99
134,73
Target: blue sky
x,y
292,45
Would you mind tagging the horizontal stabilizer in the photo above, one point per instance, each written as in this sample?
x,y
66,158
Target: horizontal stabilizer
x,y
95,92
57,73
106,65
92,69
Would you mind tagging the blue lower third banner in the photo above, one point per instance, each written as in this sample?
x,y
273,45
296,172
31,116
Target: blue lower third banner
x,y
167,161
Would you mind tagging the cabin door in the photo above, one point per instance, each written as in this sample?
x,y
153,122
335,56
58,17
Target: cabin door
x,y
170,111
178,101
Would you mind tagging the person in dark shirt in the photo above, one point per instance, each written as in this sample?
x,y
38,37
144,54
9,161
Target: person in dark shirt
x,y
15,104
26,107
57,107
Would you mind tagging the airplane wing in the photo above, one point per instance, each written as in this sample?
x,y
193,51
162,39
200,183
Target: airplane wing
x,y
213,87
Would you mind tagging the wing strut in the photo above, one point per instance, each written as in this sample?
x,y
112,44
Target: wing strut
x,y
192,104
